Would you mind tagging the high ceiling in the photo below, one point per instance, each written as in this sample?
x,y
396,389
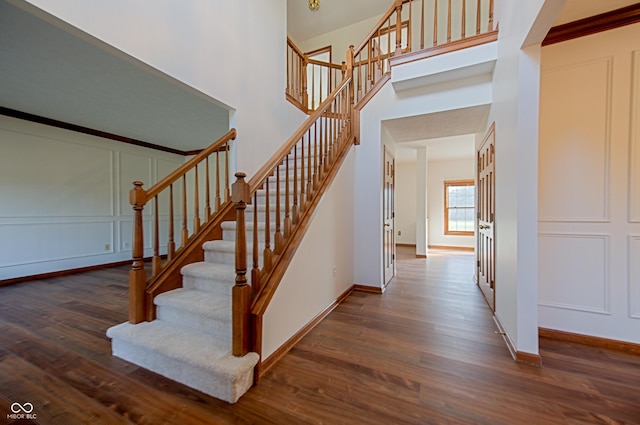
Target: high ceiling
x,y
52,69
56,71
303,24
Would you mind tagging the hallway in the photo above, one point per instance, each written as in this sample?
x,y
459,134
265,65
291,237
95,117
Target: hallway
x,y
425,352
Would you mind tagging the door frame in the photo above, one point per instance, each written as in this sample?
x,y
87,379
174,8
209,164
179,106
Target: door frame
x,y
388,217
490,137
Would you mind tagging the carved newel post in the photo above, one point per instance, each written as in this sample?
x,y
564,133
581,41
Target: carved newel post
x,y
137,274
241,294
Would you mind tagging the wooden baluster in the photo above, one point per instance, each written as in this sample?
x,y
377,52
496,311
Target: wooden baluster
x,y
422,25
318,153
325,143
218,200
490,28
294,209
435,22
305,92
287,207
207,209
137,274
369,73
464,19
241,293
320,93
478,13
359,76
449,21
310,169
185,229
289,60
398,28
255,271
303,181
196,204
313,87
226,172
268,253
409,27
278,234
156,261
171,244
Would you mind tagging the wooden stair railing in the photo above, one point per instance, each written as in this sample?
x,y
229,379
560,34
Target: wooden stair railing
x,y
205,177
284,194
448,21
310,81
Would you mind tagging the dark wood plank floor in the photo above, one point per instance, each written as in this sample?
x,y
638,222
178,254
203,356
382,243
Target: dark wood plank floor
x,y
425,352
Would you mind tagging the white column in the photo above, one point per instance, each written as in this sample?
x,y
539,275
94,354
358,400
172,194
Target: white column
x,y
421,203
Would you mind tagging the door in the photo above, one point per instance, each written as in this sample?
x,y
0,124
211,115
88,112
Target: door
x,y
389,254
485,231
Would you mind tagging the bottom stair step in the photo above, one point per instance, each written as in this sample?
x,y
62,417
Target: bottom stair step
x,y
196,359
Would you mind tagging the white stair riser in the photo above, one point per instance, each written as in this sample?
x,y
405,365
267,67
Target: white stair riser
x,y
219,384
220,327
207,285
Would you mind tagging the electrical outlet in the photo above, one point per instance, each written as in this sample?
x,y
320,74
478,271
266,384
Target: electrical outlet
x,y
126,245
335,271
107,247
399,232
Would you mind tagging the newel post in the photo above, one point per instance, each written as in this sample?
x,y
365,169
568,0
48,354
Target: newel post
x,y
241,293
398,28
137,274
353,118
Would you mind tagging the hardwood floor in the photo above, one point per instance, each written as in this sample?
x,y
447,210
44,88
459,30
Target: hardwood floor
x,y
425,352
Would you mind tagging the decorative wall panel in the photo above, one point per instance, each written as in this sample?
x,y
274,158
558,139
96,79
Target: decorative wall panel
x,y
574,271
634,276
634,142
575,120
32,242
64,179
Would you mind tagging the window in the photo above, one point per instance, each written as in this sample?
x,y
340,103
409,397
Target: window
x,y
459,207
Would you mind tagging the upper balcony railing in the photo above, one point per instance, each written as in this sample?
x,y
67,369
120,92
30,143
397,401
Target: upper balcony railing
x,y
408,30
310,81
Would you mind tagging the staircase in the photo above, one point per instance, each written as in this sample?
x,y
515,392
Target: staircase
x,y
190,340
198,319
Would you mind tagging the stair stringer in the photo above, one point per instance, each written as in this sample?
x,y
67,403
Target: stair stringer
x,y
291,273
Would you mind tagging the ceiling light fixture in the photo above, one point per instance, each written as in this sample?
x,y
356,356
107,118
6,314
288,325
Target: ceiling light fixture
x,y
314,5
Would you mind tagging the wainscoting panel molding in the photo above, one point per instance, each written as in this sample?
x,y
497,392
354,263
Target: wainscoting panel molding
x,y
61,172
634,142
574,272
582,195
90,238
634,276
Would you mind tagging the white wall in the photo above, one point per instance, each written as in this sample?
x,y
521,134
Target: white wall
x,y
387,104
515,112
589,186
340,39
438,173
66,197
322,268
232,51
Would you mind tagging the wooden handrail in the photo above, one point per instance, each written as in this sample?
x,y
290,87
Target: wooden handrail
x,y
372,62
385,17
142,290
298,173
272,163
305,89
187,166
